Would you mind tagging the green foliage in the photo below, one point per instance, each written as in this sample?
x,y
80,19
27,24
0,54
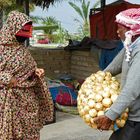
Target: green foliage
x,y
83,12
49,27
8,5
49,24
77,9
97,3
5,3
61,36
52,28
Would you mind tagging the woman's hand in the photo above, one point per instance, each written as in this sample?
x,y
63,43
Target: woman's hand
x,y
103,122
12,83
40,72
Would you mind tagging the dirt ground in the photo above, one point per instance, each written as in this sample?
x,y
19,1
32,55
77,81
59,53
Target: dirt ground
x,y
71,127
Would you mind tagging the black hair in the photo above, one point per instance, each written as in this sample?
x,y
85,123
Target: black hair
x,y
21,39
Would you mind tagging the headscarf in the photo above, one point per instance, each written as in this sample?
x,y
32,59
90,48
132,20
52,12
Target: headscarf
x,y
15,22
129,18
26,31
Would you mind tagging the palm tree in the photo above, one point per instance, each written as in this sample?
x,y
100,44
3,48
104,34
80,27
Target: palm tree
x,y
8,5
83,12
52,28
12,4
41,3
50,24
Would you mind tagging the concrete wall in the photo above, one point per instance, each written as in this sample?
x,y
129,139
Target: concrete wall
x,y
54,61
84,63
79,64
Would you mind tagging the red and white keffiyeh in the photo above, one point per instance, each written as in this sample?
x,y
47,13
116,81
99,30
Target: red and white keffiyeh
x,y
129,18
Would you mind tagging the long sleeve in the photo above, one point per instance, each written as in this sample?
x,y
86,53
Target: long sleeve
x,y
130,91
115,66
5,75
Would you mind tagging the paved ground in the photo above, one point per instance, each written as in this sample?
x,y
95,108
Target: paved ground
x,y
71,127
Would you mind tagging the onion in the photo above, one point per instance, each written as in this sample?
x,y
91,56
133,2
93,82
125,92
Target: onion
x,y
107,89
91,103
112,91
99,88
95,97
87,118
107,78
124,116
93,77
107,102
88,92
86,109
82,112
113,79
114,97
98,98
106,94
100,113
93,113
108,74
98,106
100,79
114,86
91,96
101,73
85,101
127,110
120,122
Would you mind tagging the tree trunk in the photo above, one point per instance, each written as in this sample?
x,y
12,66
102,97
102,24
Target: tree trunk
x,y
103,2
1,18
26,7
27,11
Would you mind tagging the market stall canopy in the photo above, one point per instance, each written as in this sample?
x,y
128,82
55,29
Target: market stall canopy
x,y
102,25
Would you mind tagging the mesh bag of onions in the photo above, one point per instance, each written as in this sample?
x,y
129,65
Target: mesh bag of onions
x,y
95,97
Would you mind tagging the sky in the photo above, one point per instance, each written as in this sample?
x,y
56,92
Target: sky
x,y
64,13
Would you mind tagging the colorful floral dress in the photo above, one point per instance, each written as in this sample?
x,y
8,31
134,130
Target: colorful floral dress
x,y
24,108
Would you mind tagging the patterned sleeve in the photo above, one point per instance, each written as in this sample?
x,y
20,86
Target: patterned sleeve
x,y
5,77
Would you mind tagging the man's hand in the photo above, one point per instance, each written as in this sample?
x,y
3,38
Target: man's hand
x,y
102,122
12,83
39,72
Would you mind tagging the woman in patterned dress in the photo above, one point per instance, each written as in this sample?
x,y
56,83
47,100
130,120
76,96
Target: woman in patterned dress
x,y
25,103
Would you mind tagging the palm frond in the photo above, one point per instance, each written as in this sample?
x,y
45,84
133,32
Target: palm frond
x,y
36,19
41,3
77,9
49,27
85,8
78,21
96,4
